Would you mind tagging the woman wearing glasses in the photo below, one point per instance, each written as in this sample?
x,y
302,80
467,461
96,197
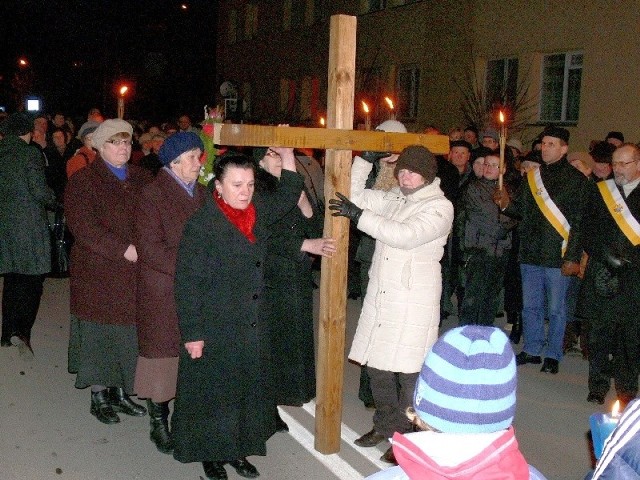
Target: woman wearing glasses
x,y
99,202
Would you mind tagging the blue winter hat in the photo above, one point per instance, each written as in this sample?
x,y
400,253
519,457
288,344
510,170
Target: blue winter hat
x,y
468,382
176,144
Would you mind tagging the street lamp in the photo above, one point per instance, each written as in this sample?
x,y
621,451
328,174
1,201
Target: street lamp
x,y
122,92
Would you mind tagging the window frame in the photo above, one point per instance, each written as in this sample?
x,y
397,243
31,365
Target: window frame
x,y
407,108
505,87
568,67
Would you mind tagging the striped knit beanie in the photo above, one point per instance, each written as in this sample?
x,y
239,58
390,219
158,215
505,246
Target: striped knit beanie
x,y
468,382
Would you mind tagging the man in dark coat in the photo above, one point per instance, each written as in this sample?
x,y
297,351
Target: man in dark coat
x,y
550,204
25,246
612,240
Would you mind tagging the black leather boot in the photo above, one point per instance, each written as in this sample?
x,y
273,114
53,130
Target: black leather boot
x,y
158,419
101,407
120,402
516,330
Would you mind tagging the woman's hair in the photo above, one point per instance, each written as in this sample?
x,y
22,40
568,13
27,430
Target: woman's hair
x,y
415,420
232,159
119,136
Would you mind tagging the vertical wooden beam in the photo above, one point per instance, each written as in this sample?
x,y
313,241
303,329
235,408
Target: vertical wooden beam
x,y
333,283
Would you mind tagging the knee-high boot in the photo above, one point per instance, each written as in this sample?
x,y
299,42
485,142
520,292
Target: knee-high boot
x,y
158,419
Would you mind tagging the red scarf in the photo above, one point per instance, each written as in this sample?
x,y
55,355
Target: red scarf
x,y
244,220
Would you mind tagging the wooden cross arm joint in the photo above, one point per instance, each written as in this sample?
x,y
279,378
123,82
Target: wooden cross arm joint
x,y
325,138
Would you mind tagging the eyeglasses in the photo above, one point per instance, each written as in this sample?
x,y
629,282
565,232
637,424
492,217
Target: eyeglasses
x,y
271,153
491,165
117,143
622,164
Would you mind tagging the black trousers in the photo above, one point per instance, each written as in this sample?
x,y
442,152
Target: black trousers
x,y
391,401
484,275
21,296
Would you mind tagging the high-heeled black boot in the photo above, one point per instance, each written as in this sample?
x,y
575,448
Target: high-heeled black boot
x,y
516,330
159,421
120,402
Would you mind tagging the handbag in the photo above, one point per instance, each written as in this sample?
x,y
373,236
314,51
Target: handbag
x,y
60,243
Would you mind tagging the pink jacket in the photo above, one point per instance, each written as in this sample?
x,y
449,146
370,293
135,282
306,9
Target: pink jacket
x,y
499,459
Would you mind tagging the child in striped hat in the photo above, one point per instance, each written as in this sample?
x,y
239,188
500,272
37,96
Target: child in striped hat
x,y
464,403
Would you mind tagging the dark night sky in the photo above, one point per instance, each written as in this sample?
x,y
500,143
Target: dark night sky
x,y
80,51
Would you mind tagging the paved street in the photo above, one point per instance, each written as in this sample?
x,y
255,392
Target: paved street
x,y
46,431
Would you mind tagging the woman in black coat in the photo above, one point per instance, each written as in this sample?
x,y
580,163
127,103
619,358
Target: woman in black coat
x,y
225,403
289,285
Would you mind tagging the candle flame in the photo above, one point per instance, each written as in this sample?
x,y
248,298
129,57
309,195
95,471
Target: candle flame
x,y
365,107
501,117
322,121
389,102
123,90
615,411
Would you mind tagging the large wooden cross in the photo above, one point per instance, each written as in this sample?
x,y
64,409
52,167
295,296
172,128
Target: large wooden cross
x,y
339,139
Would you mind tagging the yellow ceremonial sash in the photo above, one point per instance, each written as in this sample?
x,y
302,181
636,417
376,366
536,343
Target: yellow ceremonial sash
x,y
548,208
620,211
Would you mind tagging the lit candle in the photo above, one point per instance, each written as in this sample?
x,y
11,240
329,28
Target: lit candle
x,y
392,114
602,425
367,117
123,90
322,122
503,143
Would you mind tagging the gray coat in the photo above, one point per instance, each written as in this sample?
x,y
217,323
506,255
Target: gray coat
x,y
25,243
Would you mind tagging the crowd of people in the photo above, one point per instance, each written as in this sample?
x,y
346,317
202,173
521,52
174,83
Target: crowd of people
x,y
204,294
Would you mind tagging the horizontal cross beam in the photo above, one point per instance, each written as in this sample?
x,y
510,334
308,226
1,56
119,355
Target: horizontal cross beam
x,y
325,138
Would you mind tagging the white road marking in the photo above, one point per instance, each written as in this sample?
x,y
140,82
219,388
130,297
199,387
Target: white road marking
x,y
349,436
333,462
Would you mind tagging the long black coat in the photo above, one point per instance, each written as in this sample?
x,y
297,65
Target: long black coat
x,y
25,245
289,300
225,404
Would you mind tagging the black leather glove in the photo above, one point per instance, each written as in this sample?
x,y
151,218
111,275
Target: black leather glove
x,y
345,208
373,157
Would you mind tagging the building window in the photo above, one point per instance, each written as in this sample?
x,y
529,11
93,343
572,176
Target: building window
x,y
408,84
367,6
501,86
561,79
286,15
232,33
251,21
315,11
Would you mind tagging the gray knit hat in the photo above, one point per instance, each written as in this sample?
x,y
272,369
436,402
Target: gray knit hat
x,y
108,129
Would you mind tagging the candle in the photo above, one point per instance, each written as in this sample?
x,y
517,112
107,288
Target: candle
x,y
322,122
392,115
503,143
602,425
367,117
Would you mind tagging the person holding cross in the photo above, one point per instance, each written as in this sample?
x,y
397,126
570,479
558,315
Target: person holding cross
x,y
401,310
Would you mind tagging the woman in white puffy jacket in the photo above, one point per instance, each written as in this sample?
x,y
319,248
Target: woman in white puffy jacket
x,y
401,311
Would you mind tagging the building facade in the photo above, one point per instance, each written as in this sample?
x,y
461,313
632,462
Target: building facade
x,y
441,63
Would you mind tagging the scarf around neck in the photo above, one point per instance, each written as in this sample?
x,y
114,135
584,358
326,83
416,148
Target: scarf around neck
x,y
243,220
